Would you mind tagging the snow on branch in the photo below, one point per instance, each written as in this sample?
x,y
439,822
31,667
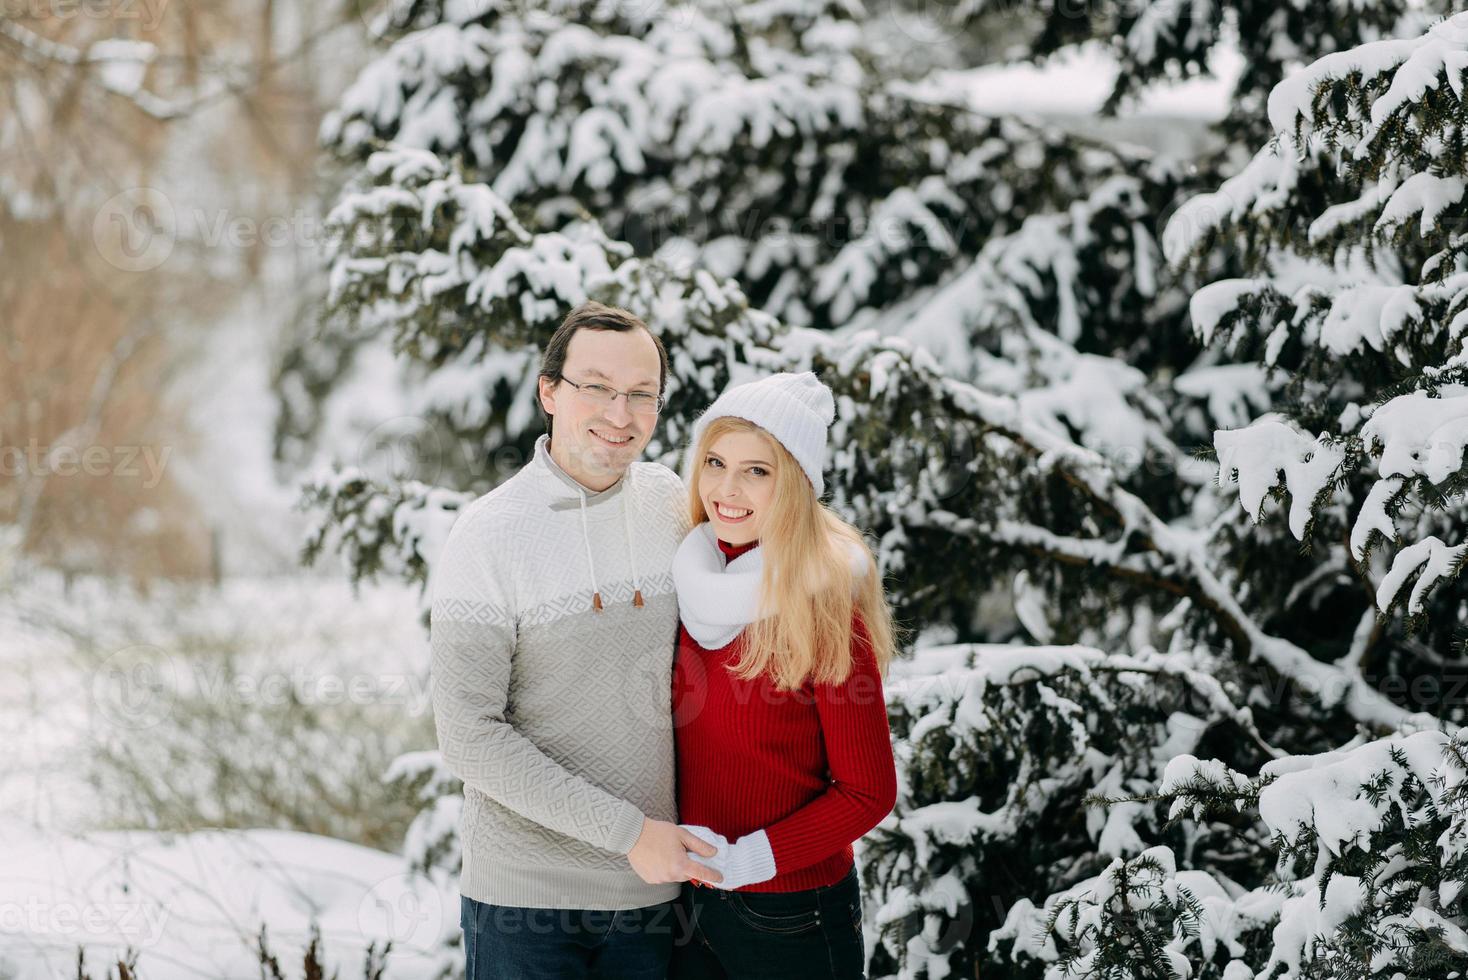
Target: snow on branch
x,y
1416,65
1254,457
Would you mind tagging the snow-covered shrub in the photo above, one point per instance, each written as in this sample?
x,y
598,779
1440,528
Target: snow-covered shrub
x,y
1371,861
999,749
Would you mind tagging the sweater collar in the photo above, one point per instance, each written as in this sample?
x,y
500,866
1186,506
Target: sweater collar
x,y
569,490
732,551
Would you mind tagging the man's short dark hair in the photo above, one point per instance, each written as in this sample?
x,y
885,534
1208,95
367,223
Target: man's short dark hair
x,y
592,315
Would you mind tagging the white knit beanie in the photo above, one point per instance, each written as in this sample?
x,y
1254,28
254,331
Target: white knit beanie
x,y
796,409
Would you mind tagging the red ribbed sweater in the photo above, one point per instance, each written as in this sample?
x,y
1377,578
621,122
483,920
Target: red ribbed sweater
x,y
812,767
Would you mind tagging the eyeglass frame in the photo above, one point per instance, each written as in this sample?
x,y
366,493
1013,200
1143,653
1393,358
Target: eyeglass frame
x,y
658,404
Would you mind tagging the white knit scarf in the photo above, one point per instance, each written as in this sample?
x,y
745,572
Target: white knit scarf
x,y
716,601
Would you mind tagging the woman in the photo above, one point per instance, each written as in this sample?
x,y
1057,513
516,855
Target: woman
x,y
784,754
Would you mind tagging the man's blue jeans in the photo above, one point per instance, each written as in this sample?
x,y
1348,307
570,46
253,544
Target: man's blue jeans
x,y
511,942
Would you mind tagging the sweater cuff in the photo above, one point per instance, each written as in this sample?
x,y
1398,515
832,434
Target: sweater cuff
x,y
626,829
751,859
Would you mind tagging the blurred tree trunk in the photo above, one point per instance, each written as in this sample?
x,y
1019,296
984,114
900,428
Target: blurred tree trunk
x,y
151,174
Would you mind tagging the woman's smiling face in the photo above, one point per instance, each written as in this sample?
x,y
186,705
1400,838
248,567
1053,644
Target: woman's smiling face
x,y
736,482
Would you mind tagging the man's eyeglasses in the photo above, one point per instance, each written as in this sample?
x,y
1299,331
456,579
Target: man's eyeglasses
x,y
642,402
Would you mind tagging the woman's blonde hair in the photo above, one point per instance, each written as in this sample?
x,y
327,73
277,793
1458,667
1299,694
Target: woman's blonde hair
x,y
806,551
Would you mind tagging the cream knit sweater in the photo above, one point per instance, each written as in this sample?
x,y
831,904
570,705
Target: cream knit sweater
x,y
557,715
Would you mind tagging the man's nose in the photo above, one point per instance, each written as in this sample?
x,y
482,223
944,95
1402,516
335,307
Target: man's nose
x,y
617,412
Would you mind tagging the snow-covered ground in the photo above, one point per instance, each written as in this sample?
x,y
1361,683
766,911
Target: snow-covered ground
x,y
192,905
102,666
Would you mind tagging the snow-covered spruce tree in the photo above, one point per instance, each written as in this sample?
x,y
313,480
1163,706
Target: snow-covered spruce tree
x,y
1000,746
774,143
1157,40
1359,301
780,145
958,485
1001,466
831,191
1370,848
1331,348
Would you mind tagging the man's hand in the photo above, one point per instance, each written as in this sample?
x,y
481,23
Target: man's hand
x,y
662,851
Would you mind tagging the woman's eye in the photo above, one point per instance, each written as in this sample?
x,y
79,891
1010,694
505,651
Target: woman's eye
x,y
713,462
758,470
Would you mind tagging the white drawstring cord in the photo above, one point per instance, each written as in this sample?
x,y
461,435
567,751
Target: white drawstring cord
x,y
631,549
586,540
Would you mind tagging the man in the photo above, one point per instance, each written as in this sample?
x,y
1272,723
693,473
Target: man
x,y
554,623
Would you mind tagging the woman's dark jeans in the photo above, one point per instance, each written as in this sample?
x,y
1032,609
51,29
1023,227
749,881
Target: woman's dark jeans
x,y
771,935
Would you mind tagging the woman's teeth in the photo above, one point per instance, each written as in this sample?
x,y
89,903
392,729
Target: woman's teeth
x,y
608,439
732,513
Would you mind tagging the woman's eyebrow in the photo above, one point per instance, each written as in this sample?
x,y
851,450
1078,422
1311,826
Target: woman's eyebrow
x,y
744,462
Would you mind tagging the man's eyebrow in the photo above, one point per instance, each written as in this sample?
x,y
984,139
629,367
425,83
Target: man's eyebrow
x,y
595,373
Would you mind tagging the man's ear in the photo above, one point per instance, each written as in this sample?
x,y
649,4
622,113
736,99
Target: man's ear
x,y
547,393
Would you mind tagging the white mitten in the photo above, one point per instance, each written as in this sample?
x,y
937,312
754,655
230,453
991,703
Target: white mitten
x,y
747,861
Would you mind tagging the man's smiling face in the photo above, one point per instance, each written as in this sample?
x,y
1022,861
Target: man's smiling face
x,y
593,442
